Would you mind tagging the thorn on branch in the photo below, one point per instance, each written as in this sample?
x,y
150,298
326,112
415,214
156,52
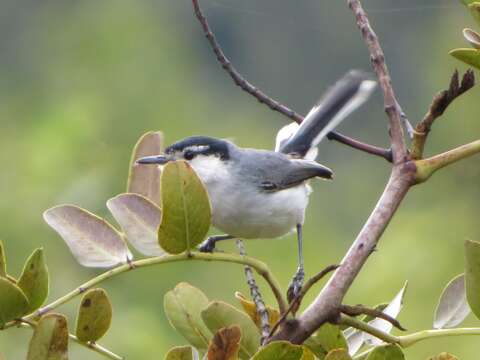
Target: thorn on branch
x,y
358,310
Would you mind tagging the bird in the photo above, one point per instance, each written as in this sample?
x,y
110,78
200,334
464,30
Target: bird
x,y
257,193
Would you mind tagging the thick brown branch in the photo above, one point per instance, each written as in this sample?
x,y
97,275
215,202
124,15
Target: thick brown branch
x,y
377,57
263,98
440,103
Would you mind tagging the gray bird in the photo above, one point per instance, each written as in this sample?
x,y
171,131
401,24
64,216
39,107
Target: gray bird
x,y
263,193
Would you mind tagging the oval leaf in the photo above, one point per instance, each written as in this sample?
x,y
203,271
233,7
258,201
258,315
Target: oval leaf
x,y
50,339
183,306
180,353
452,307
220,315
475,10
338,354
3,261
139,219
13,302
34,280
251,310
328,337
94,315
472,275
386,352
186,212
393,309
92,240
468,56
225,344
145,180
279,350
472,37
444,356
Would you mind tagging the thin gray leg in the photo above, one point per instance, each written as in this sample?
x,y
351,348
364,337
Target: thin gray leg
x,y
209,244
297,281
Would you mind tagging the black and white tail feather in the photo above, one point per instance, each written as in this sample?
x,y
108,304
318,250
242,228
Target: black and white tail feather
x,y
348,94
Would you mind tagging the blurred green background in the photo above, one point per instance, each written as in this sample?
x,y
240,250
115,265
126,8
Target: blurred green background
x,y
81,80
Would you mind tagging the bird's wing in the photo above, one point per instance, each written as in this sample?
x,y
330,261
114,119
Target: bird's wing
x,y
297,172
341,100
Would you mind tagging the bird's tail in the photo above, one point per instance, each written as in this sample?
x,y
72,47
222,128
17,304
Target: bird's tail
x,y
341,100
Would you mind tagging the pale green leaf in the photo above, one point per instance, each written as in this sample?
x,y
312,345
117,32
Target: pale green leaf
x,y
139,219
338,354
472,275
468,56
452,306
145,180
183,306
328,337
92,240
13,302
34,280
180,353
94,315
186,212
220,315
472,37
279,350
444,356
386,352
50,339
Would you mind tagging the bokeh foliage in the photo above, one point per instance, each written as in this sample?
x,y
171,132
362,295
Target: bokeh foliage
x,y
82,80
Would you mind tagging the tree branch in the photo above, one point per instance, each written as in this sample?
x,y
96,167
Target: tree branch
x,y
358,310
440,103
263,98
327,304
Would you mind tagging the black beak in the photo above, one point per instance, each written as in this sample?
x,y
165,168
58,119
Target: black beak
x,y
156,159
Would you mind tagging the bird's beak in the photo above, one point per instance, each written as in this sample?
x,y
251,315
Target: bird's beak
x,y
156,159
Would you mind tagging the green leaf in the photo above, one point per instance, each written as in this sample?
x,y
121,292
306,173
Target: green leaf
x,y
94,315
474,8
50,339
180,353
183,306
468,2
186,211
220,315
468,56
444,356
92,240
472,37
145,180
386,352
452,306
3,261
472,275
328,337
279,350
13,302
139,219
338,354
34,280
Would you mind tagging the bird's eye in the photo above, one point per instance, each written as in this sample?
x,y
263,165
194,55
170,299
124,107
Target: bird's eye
x,y
188,155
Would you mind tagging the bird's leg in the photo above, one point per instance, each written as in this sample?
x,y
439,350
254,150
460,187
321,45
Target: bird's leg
x,y
297,281
209,245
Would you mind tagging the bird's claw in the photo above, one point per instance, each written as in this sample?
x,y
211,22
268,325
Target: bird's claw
x,y
295,285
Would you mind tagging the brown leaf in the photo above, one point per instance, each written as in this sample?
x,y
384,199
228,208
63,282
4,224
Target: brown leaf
x,y
225,344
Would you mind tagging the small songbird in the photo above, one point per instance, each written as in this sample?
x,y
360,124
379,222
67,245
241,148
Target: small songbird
x,y
263,193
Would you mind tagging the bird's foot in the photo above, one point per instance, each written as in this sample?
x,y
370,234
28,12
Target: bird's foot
x,y
295,285
208,245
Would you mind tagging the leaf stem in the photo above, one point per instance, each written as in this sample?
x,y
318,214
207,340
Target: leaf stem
x,y
426,168
90,345
260,267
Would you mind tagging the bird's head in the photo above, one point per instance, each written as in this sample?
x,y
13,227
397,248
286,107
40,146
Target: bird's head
x,y
189,148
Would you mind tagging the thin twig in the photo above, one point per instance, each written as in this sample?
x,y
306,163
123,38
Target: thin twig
x,y
263,98
440,103
297,300
256,296
358,310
